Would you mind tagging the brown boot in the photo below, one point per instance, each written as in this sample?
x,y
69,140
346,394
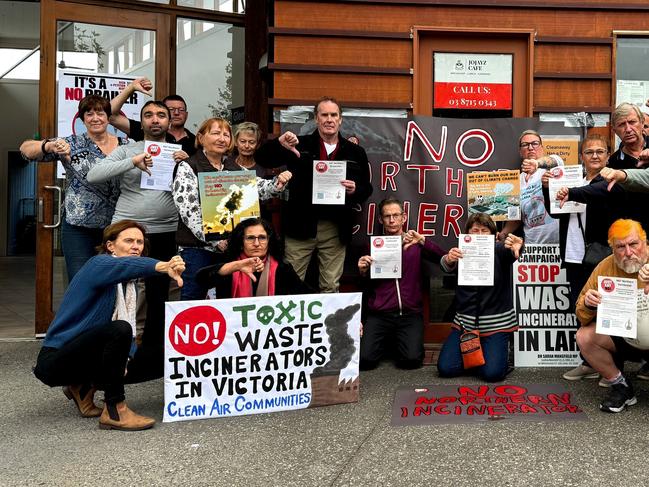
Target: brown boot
x,y
120,417
85,402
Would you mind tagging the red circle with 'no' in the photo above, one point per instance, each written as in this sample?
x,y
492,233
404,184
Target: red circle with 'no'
x,y
608,285
197,331
321,167
378,243
154,149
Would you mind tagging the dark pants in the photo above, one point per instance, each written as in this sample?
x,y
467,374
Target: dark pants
x,y
96,357
195,259
148,361
495,349
78,245
405,331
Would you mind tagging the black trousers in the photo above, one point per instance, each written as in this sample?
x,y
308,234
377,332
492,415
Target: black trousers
x,y
96,357
148,361
405,331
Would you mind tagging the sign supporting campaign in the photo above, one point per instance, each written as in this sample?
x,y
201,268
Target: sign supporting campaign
x,y
231,357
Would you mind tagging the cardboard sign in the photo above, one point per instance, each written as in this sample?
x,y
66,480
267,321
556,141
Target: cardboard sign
x,y
231,357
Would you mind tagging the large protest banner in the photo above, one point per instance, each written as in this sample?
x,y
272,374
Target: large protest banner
x,y
231,357
424,161
546,336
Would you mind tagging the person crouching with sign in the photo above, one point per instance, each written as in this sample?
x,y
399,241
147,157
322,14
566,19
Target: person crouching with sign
x,y
256,265
606,337
91,337
485,315
394,304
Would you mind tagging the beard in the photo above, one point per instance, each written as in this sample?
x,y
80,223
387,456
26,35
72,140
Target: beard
x,y
631,265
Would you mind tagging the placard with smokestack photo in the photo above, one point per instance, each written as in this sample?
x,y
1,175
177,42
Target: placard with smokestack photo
x,y
227,198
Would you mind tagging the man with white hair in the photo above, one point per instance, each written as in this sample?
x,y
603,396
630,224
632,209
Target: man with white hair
x,y
628,240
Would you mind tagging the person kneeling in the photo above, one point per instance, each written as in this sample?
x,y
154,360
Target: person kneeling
x,y
89,342
605,353
485,314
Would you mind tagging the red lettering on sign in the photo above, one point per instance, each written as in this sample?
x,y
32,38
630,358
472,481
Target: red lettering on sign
x,y
413,129
389,170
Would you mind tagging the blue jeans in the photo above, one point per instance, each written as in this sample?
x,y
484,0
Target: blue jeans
x,y
78,245
495,349
195,259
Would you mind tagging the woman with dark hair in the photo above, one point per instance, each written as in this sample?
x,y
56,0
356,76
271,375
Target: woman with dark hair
x,y
256,265
487,311
88,207
89,342
214,141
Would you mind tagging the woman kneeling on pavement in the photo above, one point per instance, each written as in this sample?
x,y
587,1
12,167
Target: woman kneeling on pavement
x,y
484,313
89,342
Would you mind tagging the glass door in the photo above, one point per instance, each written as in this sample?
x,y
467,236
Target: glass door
x,y
85,49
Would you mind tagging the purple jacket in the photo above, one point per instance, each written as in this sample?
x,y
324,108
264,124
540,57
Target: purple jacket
x,y
404,294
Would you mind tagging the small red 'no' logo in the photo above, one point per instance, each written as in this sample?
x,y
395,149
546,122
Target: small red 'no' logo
x,y
321,166
197,331
154,150
608,285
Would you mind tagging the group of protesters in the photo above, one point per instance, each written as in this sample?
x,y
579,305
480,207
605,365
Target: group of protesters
x,y
115,232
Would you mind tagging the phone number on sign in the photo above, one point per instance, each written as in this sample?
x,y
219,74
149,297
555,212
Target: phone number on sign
x,y
463,102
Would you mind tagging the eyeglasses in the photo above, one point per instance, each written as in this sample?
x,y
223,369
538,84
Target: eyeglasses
x,y
177,110
392,216
534,145
252,238
599,152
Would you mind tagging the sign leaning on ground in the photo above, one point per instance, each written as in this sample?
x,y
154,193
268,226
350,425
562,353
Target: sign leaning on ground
x,y
547,330
231,357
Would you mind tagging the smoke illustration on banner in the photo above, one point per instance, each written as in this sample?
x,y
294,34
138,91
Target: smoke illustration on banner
x,y
231,357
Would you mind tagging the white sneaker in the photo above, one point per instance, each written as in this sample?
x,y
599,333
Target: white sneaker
x,y
581,372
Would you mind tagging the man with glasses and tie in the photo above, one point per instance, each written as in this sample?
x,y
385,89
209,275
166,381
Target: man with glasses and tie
x,y
177,133
538,226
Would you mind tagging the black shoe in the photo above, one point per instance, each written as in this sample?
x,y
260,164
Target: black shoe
x,y
619,397
643,373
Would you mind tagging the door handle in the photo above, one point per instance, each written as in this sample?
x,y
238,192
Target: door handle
x,y
57,222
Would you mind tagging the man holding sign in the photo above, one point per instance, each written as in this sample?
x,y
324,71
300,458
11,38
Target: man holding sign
x,y
325,225
599,344
395,304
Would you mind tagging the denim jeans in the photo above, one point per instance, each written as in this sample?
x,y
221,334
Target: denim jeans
x,y
495,349
195,259
78,245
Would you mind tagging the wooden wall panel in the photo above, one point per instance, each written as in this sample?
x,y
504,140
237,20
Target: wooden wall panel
x,y
569,93
572,58
399,18
369,88
343,51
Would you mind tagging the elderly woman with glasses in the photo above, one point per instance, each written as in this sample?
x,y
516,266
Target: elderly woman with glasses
x,y
255,265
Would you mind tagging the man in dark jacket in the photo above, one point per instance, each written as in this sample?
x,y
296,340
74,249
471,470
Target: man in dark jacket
x,y
308,226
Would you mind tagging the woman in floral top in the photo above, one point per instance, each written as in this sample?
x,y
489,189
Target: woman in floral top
x,y
88,207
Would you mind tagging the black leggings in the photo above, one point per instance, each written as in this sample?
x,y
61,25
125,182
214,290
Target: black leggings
x,y
96,357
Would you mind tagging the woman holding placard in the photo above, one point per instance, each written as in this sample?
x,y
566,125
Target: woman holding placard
x,y
89,342
485,315
88,207
213,141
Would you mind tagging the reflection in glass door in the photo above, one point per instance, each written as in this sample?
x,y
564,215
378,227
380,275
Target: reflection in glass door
x,y
91,59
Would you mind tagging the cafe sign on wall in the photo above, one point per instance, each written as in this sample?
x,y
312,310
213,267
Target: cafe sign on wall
x,y
472,81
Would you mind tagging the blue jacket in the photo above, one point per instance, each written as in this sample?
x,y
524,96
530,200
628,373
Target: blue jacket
x,y
89,301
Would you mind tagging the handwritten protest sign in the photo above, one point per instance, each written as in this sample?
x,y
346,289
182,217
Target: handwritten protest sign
x,y
435,404
231,357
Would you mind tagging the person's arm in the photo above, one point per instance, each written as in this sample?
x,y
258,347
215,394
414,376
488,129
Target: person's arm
x,y
186,198
450,260
273,154
511,226
45,150
586,307
116,164
636,180
272,188
117,120
364,264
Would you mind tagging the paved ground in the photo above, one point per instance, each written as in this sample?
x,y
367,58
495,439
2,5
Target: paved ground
x,y
44,442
